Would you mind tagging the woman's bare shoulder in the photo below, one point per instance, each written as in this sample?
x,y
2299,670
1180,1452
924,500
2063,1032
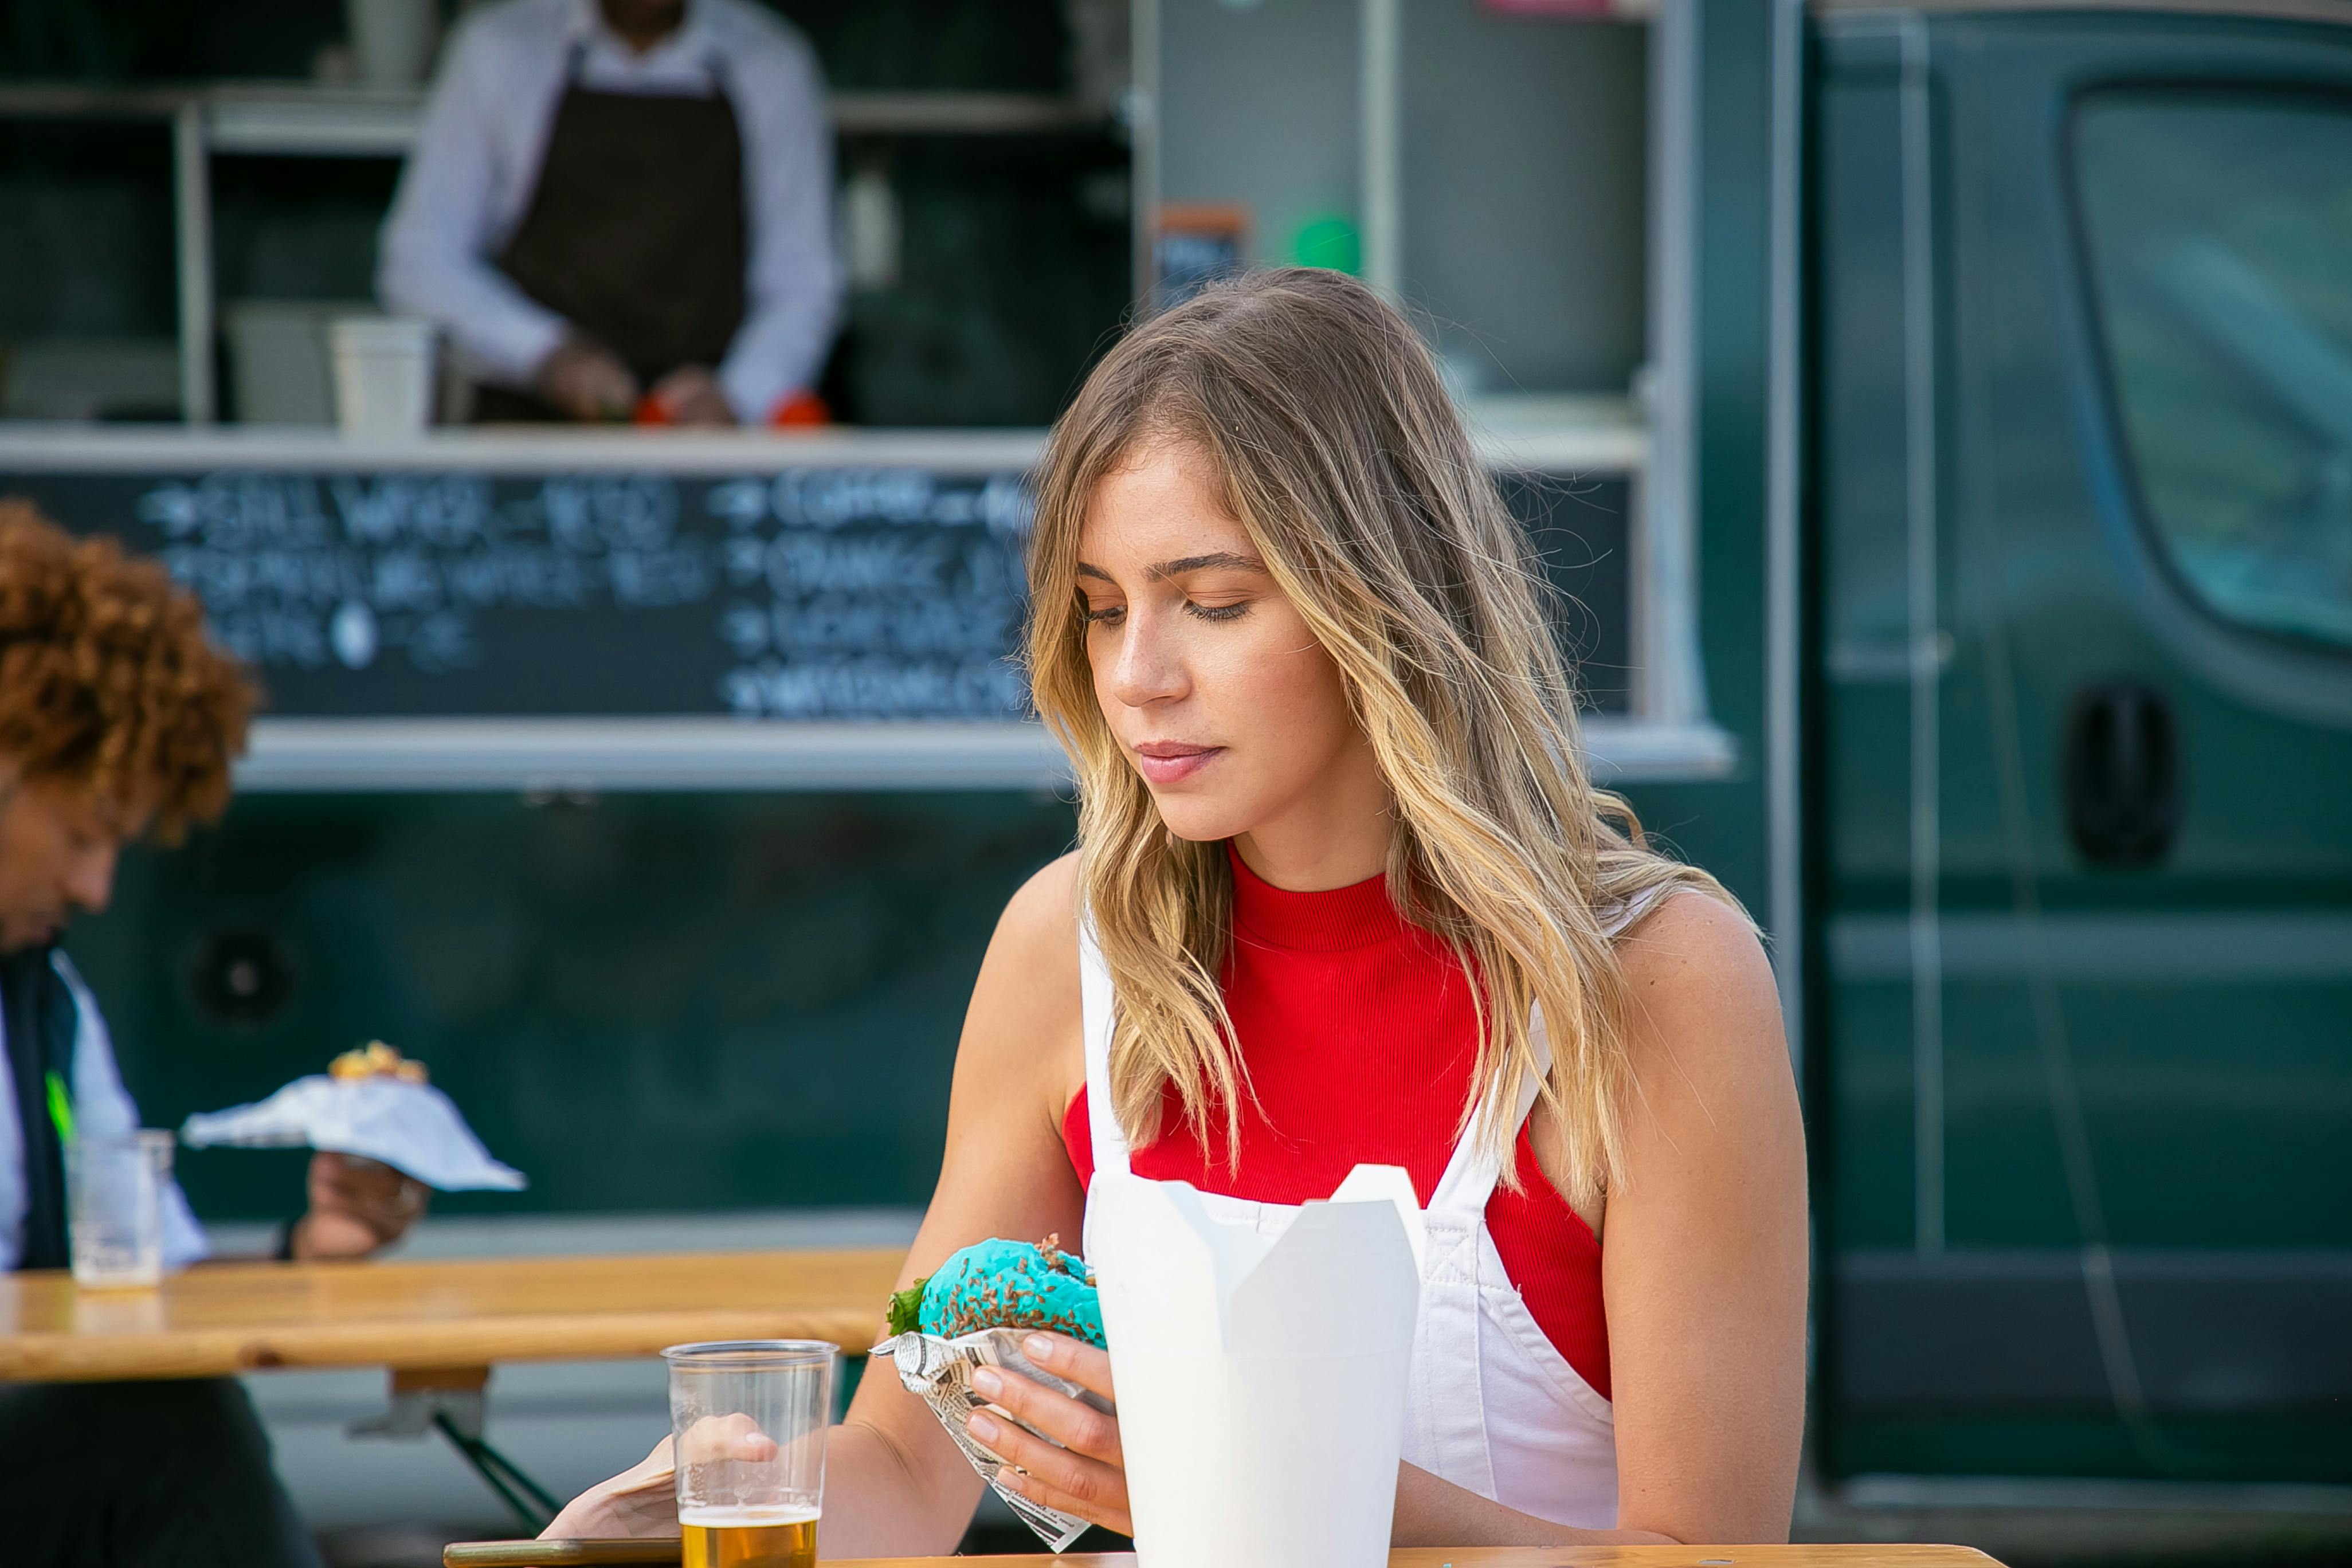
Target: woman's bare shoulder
x,y
1024,1020
1699,992
1041,920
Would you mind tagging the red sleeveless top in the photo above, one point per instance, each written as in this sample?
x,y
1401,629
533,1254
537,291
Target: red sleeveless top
x,y
1361,1037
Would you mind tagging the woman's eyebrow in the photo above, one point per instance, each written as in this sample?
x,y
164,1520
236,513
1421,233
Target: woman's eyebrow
x,y
1225,558
1167,569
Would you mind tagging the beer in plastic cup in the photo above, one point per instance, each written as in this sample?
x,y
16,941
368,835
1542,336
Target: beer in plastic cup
x,y
748,1422
114,1207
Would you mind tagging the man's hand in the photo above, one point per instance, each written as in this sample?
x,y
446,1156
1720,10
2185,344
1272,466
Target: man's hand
x,y
690,394
1087,1476
587,380
356,1206
643,1499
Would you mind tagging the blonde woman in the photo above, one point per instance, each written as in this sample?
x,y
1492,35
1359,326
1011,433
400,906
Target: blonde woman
x,y
1344,891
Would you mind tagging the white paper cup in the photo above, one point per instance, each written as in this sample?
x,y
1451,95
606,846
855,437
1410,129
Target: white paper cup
x,y
383,375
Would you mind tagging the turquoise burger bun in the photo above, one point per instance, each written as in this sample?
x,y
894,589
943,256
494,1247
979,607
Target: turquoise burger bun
x,y
1000,1284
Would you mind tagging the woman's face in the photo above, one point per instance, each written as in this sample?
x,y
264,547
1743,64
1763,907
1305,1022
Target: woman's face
x,y
1218,693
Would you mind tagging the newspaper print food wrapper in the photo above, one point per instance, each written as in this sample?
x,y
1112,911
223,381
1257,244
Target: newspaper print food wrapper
x,y
941,1371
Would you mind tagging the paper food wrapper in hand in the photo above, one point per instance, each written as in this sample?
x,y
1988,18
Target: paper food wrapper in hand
x,y
412,1127
1261,1372
941,1371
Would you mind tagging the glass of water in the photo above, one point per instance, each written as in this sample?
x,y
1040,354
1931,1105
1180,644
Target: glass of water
x,y
114,1205
749,1420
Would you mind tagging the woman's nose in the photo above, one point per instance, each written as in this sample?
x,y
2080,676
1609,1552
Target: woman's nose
x,y
1148,669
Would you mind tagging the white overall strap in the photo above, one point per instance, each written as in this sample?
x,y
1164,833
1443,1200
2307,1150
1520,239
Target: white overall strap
x,y
1471,1175
1095,1001
1615,921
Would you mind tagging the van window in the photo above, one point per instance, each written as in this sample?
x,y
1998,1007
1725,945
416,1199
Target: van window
x,y
2219,234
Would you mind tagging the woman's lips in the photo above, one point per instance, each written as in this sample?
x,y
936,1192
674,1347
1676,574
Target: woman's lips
x,y
1166,763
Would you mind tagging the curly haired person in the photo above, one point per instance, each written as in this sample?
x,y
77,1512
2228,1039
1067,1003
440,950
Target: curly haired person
x,y
119,720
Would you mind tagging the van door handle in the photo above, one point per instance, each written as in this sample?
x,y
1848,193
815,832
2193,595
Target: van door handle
x,y
2122,774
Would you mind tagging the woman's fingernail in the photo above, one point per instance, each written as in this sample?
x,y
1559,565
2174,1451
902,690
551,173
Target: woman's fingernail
x,y
988,1381
983,1429
1037,1347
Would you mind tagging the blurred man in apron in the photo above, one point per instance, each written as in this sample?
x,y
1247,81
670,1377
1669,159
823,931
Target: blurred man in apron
x,y
620,208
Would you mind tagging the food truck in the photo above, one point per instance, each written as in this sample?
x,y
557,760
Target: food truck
x,y
1934,413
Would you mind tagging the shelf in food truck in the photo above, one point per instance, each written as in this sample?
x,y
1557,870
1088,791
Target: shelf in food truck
x,y
299,119
626,609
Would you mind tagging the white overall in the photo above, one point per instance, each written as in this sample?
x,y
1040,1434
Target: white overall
x,y
1493,1405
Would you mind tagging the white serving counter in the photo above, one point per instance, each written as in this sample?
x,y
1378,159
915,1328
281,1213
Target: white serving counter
x,y
1563,435
165,487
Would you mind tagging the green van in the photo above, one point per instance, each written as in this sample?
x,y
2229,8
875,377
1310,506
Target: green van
x,y
2076,523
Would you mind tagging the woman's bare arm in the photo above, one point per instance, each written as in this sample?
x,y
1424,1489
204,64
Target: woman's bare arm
x,y
1703,1265
1705,1258
895,1484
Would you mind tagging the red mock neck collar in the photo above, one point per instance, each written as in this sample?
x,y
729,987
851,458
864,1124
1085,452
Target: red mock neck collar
x,y
1331,921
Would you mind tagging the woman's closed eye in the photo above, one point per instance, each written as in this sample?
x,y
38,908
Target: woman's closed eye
x,y
1113,615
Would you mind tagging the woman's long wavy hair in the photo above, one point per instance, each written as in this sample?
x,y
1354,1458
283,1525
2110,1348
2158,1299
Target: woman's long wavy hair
x,y
1338,449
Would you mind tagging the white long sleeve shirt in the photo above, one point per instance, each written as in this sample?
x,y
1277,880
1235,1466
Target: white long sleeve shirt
x,y
101,1106
470,180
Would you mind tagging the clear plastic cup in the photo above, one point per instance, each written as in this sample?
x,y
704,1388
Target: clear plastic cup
x,y
747,1419
114,1207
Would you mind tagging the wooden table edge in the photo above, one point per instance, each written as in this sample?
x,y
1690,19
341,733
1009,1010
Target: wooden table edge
x,y
1795,1554
225,1352
1799,1554
375,1335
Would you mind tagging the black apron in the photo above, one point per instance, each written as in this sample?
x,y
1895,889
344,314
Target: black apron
x,y
36,1007
635,233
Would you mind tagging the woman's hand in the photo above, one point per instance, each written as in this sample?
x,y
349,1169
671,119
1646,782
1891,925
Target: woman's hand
x,y
643,1499
1087,1474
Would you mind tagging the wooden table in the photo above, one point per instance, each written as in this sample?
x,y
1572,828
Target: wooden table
x,y
436,1316
438,1325
1871,1556
1807,1556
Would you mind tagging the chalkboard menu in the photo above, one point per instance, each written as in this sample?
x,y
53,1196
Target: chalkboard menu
x,y
813,593
817,592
